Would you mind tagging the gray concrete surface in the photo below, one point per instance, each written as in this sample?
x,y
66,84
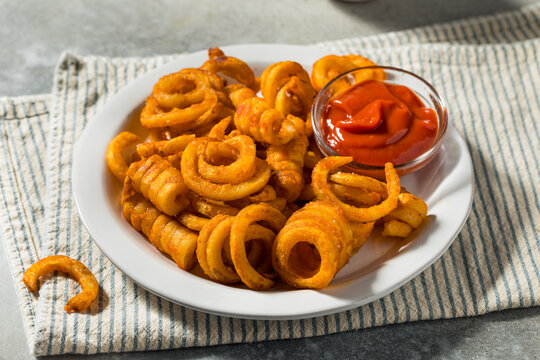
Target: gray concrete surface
x,y
34,33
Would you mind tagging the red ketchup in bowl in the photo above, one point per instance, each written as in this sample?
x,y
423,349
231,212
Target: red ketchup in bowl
x,y
376,122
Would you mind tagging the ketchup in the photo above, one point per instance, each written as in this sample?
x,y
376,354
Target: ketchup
x,y
376,122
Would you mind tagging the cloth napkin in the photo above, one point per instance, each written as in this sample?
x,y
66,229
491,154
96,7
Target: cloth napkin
x,y
487,69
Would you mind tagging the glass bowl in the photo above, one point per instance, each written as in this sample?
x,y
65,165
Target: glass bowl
x,y
425,91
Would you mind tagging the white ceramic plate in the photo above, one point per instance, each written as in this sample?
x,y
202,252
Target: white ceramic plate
x,y
376,270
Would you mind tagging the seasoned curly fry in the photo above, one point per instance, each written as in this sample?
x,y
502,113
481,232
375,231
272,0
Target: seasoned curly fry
x,y
237,93
296,98
158,180
241,147
212,249
329,67
247,216
229,66
219,129
274,78
76,269
255,117
164,147
409,215
287,162
224,192
361,232
324,192
115,153
184,88
182,119
266,194
211,208
185,100
360,182
162,231
311,159
355,196
315,243
191,221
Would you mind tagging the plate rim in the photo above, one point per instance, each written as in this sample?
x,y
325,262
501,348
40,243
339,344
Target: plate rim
x,y
130,87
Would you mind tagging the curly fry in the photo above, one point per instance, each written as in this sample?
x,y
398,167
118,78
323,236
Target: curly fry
x,y
158,180
311,159
331,66
219,129
76,269
219,227
237,93
278,203
162,231
229,66
315,243
185,87
211,208
409,215
213,245
324,192
287,162
191,221
361,232
296,98
266,194
256,118
240,148
223,192
164,147
247,216
277,75
356,196
115,153
182,119
360,182
188,99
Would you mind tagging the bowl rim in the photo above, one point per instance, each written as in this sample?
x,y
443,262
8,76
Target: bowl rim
x,y
428,154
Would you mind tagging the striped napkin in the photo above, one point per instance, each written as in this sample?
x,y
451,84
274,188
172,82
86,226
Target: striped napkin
x,y
488,70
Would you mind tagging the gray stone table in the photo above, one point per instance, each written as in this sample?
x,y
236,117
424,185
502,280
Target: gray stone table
x,y
34,33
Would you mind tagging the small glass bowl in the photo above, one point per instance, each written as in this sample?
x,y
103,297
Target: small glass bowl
x,y
395,76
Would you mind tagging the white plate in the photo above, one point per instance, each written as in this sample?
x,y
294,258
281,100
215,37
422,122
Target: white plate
x,y
376,270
